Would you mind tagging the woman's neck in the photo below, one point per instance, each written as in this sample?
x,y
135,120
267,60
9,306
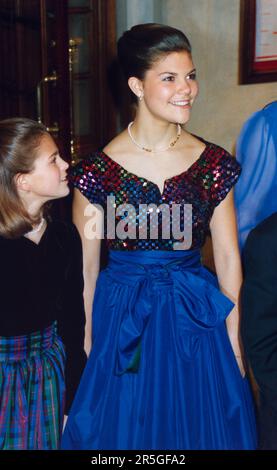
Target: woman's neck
x,y
33,207
152,133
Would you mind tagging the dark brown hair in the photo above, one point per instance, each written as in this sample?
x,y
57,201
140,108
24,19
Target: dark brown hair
x,y
142,45
19,141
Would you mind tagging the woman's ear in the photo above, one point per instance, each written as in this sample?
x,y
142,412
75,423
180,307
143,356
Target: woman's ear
x,y
135,84
21,182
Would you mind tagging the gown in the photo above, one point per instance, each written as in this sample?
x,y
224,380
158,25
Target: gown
x,y
162,373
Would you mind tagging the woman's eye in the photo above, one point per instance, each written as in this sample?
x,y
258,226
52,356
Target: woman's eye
x,y
168,79
191,76
54,160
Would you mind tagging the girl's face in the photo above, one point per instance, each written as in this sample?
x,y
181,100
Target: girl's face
x,y
170,87
48,179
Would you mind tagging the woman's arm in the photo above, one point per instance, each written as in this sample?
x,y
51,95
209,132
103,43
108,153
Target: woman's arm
x,y
91,257
228,267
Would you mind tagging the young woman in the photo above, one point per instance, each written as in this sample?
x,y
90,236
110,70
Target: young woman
x,y
166,369
41,285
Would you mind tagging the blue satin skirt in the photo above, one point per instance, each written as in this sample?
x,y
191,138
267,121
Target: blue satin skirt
x,y
162,373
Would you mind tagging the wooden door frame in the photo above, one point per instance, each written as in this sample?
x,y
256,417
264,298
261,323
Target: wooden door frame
x,y
103,53
60,49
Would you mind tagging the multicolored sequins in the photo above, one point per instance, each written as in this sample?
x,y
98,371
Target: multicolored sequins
x,y
203,186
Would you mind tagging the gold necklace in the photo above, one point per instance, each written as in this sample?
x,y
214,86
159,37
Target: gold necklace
x,y
179,130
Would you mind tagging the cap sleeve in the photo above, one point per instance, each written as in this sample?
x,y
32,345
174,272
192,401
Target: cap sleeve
x,y
87,176
224,171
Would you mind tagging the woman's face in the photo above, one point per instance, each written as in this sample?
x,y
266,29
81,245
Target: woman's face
x,y
48,179
170,87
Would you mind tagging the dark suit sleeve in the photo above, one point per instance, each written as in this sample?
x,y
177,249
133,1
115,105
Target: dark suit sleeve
x,y
259,308
72,323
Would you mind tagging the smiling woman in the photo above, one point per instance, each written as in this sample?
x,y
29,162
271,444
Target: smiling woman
x,y
169,88
165,370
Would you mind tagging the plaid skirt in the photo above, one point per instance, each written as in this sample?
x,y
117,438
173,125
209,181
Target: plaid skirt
x,y
32,390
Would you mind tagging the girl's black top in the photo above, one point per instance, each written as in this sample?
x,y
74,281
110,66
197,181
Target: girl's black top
x,y
43,283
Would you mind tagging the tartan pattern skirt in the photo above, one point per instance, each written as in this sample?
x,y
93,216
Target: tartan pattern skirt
x,y
32,390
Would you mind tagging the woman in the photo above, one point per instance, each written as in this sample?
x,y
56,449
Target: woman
x,y
164,371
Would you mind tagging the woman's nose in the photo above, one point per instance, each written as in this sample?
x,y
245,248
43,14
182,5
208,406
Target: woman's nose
x,y
64,164
184,87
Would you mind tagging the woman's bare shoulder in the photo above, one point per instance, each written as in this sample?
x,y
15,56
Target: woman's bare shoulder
x,y
194,142
118,145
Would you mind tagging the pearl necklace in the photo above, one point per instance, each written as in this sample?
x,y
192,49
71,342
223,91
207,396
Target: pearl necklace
x,y
179,130
38,227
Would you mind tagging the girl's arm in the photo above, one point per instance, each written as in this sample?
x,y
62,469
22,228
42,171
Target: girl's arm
x,y
91,258
228,267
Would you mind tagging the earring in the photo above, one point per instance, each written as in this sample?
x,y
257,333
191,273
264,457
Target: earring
x,y
141,96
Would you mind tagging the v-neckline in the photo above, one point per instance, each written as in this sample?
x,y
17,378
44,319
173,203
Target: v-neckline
x,y
142,178
37,245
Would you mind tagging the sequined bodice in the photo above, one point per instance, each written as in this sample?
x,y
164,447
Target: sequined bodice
x,y
132,200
